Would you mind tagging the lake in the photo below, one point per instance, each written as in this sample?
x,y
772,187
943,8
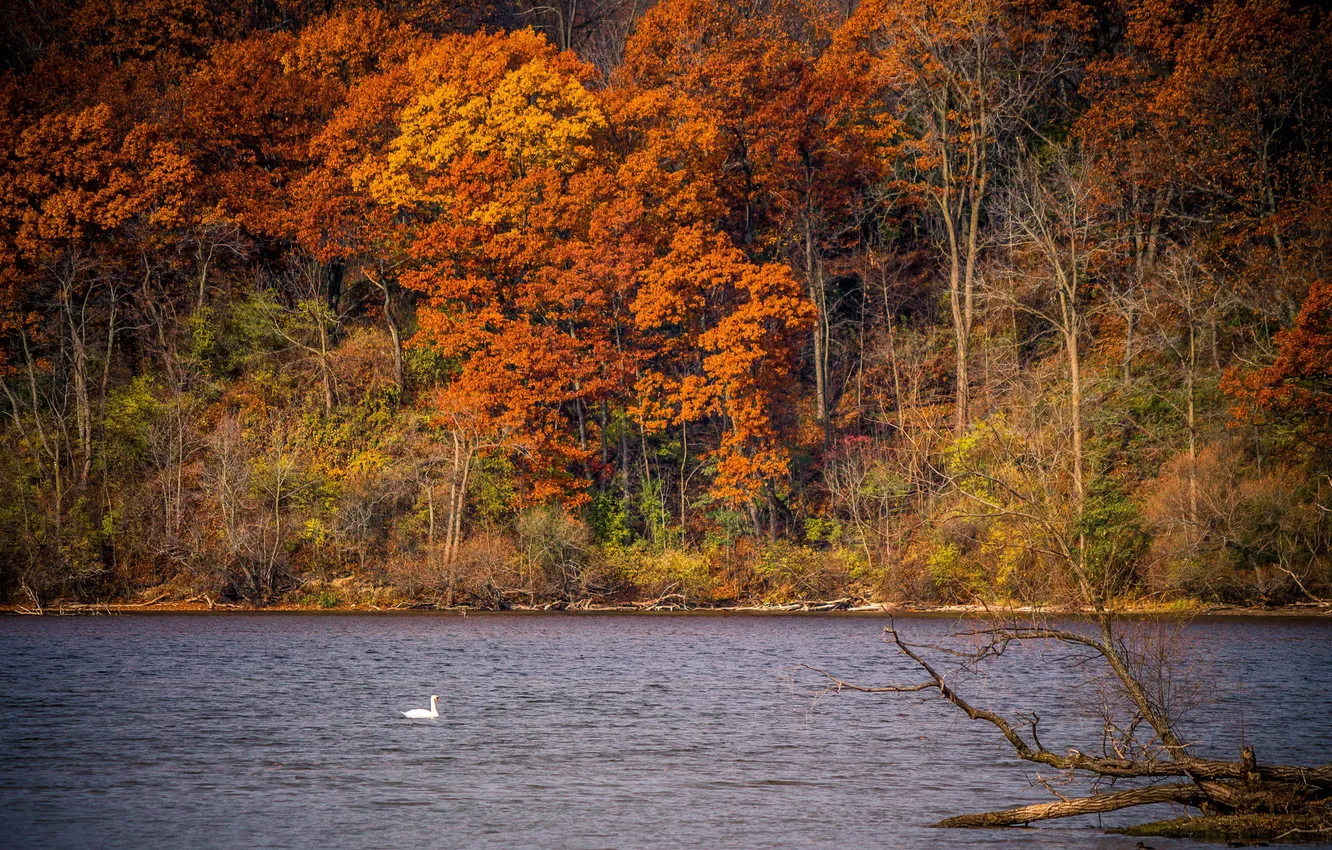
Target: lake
x,y
563,731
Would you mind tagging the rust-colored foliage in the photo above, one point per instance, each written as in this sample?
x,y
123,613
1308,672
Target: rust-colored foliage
x,y
724,331
1197,121
1297,388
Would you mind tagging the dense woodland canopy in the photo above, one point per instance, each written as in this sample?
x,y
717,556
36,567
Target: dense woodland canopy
x,y
716,301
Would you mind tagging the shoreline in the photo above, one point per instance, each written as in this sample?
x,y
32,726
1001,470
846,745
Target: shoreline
x,y
825,607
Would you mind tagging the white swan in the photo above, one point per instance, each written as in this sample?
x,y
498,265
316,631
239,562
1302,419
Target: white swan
x,y
432,712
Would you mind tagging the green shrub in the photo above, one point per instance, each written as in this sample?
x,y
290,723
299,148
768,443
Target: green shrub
x,y
954,578
820,530
609,520
556,548
1112,527
656,574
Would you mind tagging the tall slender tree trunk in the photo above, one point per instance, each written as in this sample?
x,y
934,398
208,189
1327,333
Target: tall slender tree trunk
x,y
684,479
325,368
1071,318
395,334
1075,408
1191,419
1129,322
79,364
459,505
956,299
205,258
1069,308
963,254
961,412
817,295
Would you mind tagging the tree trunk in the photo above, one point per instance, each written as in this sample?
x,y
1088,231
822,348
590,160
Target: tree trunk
x,y
204,260
814,276
897,377
1128,346
395,333
961,340
1190,415
1075,391
1185,793
79,364
325,368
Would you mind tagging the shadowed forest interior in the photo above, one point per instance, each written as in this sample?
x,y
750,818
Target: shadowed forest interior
x,y
501,303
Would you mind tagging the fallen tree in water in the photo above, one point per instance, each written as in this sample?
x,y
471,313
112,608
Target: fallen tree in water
x,y
1140,746
1239,829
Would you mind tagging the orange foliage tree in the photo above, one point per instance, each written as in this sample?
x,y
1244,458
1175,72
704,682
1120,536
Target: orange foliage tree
x,y
530,235
782,131
510,231
1296,389
1205,118
724,331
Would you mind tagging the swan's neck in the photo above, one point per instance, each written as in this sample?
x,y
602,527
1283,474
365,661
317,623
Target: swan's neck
x,y
434,705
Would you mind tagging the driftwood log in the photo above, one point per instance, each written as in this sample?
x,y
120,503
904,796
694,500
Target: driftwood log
x,y
1142,749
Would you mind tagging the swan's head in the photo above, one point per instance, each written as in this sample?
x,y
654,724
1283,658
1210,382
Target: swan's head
x,y
434,698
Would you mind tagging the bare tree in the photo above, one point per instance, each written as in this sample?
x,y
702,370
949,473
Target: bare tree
x,y
213,239
865,492
1049,234
308,318
1183,307
86,304
227,479
595,29
967,87
446,452
254,494
173,439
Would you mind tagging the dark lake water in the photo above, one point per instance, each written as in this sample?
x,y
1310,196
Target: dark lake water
x,y
560,731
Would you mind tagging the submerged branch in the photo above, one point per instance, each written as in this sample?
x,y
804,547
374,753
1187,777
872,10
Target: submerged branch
x,y
1185,793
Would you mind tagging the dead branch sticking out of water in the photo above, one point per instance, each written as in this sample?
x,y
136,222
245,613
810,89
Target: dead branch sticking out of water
x,y
1140,745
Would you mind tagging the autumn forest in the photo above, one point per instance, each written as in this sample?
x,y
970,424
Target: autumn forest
x,y
694,302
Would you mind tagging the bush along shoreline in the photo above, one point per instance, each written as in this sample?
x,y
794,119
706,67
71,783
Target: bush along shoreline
x,y
789,581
